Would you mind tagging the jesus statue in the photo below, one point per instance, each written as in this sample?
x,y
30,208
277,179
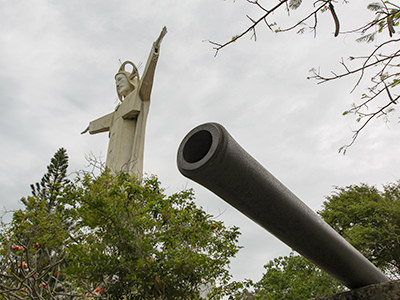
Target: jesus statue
x,y
127,123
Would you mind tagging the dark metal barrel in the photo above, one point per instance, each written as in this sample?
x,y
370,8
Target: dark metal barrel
x,y
212,158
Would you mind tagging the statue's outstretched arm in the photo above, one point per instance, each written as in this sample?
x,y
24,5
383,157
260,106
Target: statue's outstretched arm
x,y
101,124
146,83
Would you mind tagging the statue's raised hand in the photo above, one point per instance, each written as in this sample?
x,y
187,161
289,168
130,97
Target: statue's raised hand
x,y
162,34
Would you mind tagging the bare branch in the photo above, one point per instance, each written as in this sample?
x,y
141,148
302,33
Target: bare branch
x,y
379,67
250,28
357,132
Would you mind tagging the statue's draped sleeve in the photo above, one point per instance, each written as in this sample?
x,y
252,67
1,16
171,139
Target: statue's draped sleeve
x,y
101,124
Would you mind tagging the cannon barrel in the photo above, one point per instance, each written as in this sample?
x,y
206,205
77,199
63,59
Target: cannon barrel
x,y
212,158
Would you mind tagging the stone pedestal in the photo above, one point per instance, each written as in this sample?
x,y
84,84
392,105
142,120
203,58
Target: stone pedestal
x,y
382,291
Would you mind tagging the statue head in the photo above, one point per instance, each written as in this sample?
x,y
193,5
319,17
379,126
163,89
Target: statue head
x,y
125,81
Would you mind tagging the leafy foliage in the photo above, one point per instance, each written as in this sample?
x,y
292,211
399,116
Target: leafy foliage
x,y
370,220
366,217
148,245
34,245
294,4
294,277
52,183
111,237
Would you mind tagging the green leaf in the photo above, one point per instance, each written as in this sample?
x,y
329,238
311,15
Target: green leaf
x,y
294,4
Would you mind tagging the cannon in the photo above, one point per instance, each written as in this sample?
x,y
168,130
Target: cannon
x,y
211,157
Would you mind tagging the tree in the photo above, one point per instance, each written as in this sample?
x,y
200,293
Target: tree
x,y
35,244
111,237
366,217
370,220
52,183
294,277
290,277
142,244
380,66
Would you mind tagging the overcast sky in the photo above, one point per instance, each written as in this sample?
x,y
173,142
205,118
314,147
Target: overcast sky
x,y
58,60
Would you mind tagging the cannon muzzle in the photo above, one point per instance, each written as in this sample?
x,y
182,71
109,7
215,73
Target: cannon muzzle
x,y
212,158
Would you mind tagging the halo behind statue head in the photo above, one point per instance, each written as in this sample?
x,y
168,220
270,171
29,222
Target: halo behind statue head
x,y
133,77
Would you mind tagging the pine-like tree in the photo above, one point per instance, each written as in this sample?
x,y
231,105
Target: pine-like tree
x,y
52,183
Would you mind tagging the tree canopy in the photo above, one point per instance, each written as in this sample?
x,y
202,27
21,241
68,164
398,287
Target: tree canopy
x,y
111,237
370,220
35,244
294,277
379,68
366,217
